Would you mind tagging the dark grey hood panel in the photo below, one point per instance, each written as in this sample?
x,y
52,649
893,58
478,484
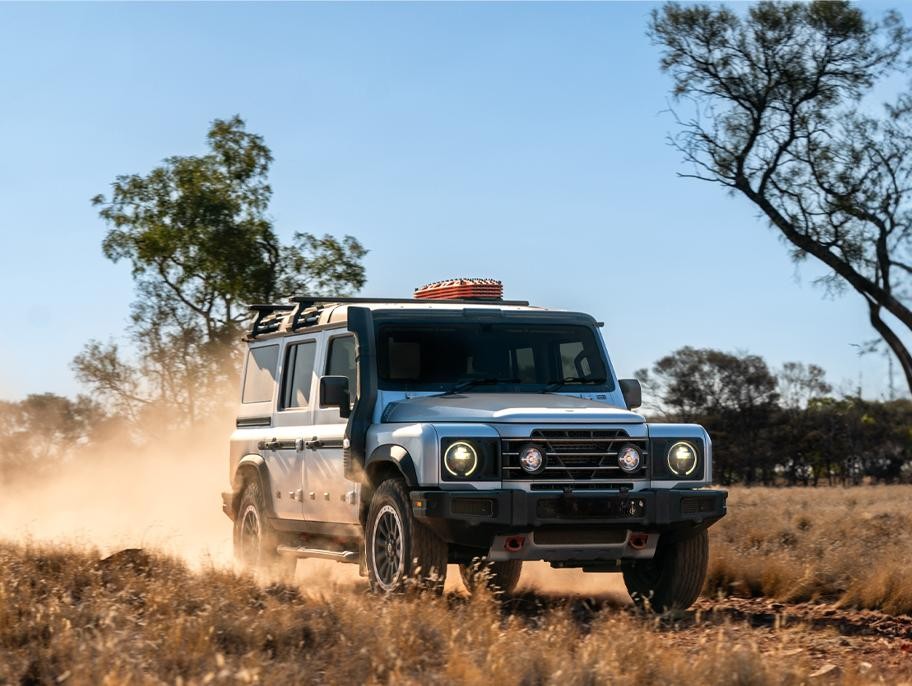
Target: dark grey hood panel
x,y
523,408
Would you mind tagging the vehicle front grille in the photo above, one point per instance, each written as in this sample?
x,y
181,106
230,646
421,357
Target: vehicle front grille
x,y
581,486
573,454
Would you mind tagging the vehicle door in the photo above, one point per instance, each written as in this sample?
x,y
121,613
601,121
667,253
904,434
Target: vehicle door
x,y
292,422
330,496
258,397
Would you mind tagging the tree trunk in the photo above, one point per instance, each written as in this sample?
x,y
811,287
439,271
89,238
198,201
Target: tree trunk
x,y
896,345
876,295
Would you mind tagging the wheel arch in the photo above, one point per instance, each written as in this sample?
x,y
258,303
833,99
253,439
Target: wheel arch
x,y
252,467
390,461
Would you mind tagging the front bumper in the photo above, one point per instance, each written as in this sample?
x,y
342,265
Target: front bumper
x,y
647,510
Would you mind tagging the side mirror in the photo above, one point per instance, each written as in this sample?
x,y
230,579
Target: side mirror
x,y
633,394
334,393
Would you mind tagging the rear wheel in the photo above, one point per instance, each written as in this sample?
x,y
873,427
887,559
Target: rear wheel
x,y
498,576
255,541
674,578
400,550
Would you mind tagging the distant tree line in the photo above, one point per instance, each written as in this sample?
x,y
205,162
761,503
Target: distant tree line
x,y
783,427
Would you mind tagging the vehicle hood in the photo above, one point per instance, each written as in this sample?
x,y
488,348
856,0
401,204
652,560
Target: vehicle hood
x,y
521,408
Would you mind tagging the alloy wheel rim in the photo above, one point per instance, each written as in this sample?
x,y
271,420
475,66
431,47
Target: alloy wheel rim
x,y
250,536
387,547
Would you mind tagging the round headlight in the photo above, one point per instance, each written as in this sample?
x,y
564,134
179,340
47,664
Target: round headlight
x,y
629,458
531,459
460,459
682,459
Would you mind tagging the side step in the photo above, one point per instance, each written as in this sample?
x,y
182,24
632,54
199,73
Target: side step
x,y
302,553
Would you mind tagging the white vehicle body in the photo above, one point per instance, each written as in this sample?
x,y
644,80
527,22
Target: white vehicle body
x,y
319,465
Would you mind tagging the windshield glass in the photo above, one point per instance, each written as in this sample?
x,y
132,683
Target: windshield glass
x,y
491,357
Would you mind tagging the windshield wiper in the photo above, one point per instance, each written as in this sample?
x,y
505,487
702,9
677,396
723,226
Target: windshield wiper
x,y
468,383
557,385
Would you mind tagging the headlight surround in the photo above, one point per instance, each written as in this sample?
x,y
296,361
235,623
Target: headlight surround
x,y
532,459
630,458
461,459
682,459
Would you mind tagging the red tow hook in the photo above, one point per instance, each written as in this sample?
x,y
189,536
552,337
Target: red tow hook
x,y
514,544
638,541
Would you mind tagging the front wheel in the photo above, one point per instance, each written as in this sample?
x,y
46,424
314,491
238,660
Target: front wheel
x,y
501,577
673,578
400,550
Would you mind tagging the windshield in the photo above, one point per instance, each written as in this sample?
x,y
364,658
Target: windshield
x,y
491,357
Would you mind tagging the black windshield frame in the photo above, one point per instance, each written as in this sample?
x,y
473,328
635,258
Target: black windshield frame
x,y
446,350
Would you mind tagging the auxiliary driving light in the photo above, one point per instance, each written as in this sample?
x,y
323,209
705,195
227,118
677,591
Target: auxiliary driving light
x,y
682,459
532,459
629,458
460,459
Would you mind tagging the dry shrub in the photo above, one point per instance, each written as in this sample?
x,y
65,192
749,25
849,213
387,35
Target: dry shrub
x,y
844,545
141,618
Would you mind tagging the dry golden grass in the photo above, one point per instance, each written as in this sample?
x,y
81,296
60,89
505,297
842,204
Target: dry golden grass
x,y
67,616
851,546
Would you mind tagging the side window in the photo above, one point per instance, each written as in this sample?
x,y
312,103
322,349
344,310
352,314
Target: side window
x,y
574,361
260,374
341,361
298,376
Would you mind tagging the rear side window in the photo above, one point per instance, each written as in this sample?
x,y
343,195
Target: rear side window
x,y
299,375
260,374
341,360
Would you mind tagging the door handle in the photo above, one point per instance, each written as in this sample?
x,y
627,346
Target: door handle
x,y
313,444
268,445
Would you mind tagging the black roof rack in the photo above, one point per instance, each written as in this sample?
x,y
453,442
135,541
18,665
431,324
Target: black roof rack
x,y
268,318
306,309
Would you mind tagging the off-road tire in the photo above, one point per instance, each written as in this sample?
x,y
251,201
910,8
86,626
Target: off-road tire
x,y
500,577
674,578
417,559
255,541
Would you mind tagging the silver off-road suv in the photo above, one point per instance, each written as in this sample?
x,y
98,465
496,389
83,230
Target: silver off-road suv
x,y
403,435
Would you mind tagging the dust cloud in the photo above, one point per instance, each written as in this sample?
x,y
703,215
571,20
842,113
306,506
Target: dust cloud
x,y
165,495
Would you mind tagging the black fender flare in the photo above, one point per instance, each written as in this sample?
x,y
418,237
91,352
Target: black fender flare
x,y
248,464
396,455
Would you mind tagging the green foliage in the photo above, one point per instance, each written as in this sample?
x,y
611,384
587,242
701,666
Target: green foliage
x,y
202,247
197,235
780,117
695,381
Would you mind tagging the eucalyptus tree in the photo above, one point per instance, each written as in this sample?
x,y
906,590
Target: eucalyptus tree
x,y
202,247
783,116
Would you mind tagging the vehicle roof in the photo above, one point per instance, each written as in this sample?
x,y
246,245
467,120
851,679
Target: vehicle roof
x,y
304,314
339,313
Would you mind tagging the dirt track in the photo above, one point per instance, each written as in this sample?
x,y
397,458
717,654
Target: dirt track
x,y
836,642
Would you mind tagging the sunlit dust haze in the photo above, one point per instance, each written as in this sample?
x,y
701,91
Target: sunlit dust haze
x,y
165,495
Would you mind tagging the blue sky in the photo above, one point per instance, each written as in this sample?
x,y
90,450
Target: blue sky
x,y
520,141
